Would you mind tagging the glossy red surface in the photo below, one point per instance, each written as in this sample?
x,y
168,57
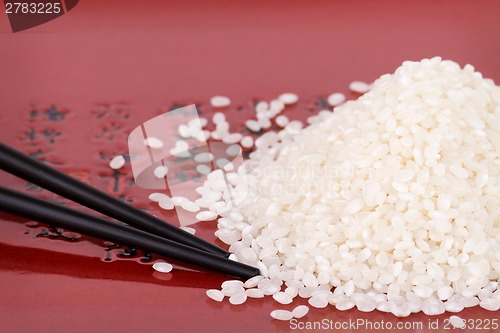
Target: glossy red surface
x,y
72,89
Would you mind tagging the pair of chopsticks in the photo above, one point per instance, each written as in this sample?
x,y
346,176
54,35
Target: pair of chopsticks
x,y
152,234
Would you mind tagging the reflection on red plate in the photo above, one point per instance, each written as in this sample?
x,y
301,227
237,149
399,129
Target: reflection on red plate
x,y
74,88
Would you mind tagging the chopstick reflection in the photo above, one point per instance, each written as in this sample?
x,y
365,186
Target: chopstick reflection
x,y
41,261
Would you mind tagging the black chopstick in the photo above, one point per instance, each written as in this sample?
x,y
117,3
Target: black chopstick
x,y
55,181
23,205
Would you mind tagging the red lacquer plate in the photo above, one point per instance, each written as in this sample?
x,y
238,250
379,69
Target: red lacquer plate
x,y
73,88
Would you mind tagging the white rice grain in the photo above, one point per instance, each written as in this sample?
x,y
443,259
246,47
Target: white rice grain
x,y
192,231
215,294
247,142
318,302
300,311
336,99
203,169
282,298
220,101
457,322
284,315
281,120
156,197
166,203
288,98
254,293
359,87
238,299
162,267
253,125
206,215
153,142
203,157
117,162
190,206
160,171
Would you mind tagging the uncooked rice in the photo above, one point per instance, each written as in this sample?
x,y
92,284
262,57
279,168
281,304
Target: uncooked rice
x,y
162,267
288,98
153,142
457,322
391,202
117,162
220,101
336,99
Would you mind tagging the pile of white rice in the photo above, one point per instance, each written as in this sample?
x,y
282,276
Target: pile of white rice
x,y
391,202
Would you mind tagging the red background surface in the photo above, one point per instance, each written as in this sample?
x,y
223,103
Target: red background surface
x,y
105,60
